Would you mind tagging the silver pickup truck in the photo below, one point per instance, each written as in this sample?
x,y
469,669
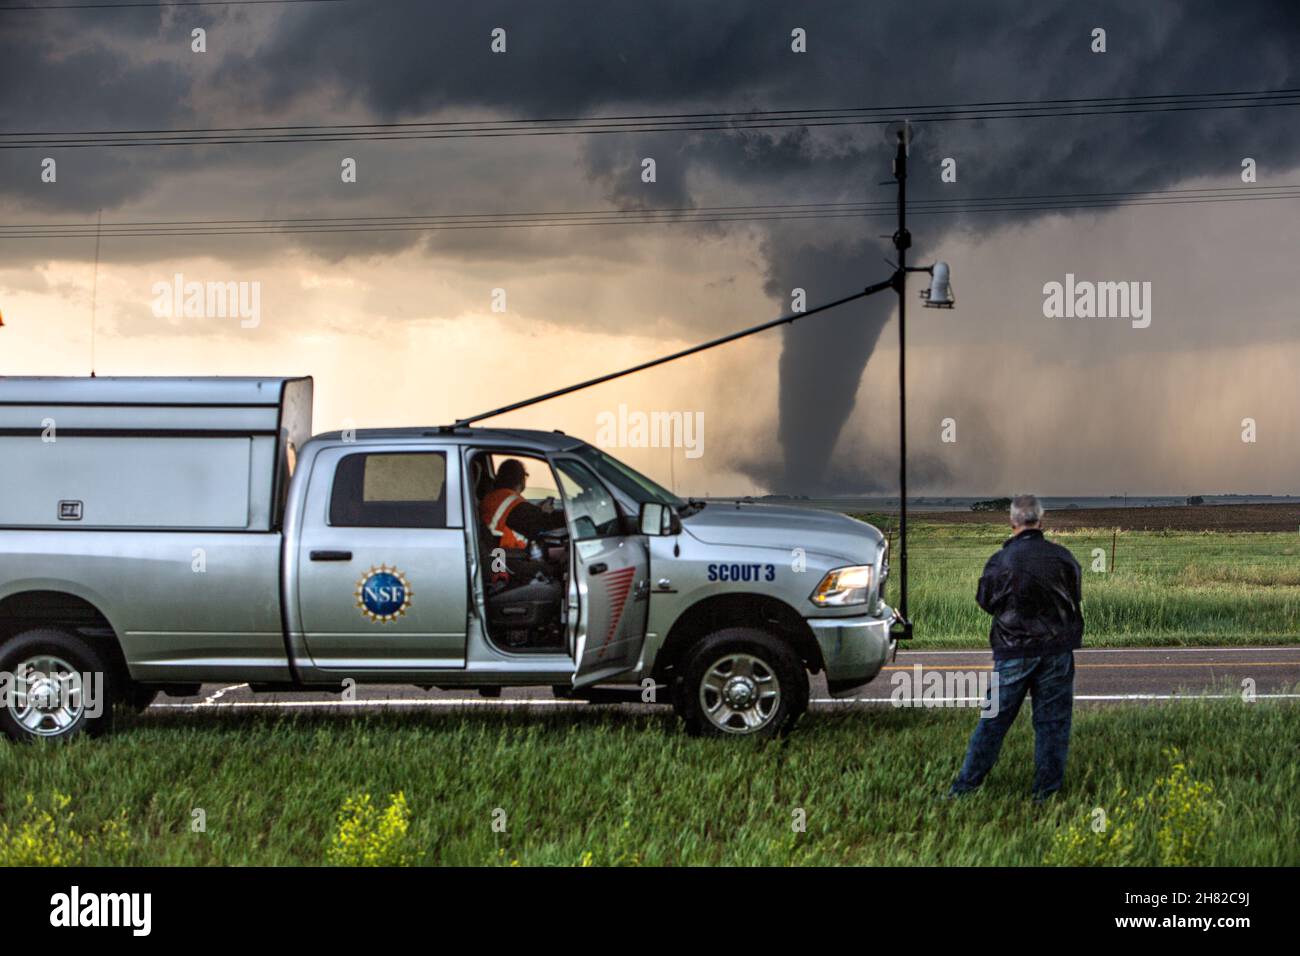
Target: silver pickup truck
x,y
158,533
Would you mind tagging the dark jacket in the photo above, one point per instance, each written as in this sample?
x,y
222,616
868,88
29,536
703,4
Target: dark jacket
x,y
1033,589
529,520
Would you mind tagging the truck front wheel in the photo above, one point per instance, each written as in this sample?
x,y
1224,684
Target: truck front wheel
x,y
53,685
741,681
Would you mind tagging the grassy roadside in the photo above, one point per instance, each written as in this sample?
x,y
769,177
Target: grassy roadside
x,y
592,786
1163,587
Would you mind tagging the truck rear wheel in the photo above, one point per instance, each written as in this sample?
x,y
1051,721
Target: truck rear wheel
x,y
741,681
42,699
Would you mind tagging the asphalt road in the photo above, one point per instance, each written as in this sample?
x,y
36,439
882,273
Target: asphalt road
x,y
1156,676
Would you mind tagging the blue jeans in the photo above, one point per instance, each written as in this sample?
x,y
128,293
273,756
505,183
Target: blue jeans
x,y
1050,680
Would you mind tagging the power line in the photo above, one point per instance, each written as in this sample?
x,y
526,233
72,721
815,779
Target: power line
x,y
648,123
681,215
1177,191
1077,101
622,217
36,7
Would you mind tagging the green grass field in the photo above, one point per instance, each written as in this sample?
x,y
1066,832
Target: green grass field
x,y
1174,587
603,788
608,787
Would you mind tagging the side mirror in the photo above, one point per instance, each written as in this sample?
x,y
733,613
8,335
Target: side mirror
x,y
657,519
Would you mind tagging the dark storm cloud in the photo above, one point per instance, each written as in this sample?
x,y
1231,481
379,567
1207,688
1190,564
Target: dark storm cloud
x,y
399,60
404,60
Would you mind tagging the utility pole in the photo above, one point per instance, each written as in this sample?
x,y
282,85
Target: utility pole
x,y
902,241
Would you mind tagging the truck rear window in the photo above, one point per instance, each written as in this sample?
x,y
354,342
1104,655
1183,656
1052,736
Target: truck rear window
x,y
390,490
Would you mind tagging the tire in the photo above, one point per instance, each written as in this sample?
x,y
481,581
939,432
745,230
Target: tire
x,y
67,714
734,665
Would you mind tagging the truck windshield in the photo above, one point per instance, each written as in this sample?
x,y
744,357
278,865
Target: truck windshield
x,y
632,483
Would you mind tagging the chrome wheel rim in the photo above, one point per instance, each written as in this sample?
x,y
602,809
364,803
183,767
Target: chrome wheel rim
x,y
46,701
740,694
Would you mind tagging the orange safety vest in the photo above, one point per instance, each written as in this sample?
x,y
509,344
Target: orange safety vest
x,y
494,509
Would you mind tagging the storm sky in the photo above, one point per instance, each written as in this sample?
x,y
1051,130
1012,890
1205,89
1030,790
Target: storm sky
x,y
398,326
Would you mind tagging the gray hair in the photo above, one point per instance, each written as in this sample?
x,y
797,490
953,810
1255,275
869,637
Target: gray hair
x,y
1026,511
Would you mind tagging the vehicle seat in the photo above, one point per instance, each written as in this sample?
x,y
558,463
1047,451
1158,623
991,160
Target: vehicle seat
x,y
483,484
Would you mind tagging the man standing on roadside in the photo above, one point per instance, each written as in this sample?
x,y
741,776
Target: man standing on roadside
x,y
1033,589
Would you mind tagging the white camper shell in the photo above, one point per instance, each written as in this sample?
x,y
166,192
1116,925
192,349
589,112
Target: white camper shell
x,y
149,453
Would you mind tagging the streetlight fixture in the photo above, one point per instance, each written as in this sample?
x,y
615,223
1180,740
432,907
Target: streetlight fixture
x,y
939,295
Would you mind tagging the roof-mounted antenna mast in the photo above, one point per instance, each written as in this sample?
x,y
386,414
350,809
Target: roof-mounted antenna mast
x,y
94,290
703,346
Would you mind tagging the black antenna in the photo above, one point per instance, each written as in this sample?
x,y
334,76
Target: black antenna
x,y
94,290
714,343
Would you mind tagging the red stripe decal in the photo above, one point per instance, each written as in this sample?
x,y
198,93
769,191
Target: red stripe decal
x,y
618,585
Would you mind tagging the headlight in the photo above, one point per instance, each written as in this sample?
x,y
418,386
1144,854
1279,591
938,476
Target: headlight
x,y
844,586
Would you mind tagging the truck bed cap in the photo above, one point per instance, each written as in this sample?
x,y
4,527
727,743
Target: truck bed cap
x,y
158,391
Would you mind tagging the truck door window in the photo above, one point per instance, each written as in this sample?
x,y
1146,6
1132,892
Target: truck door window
x,y
390,490
589,504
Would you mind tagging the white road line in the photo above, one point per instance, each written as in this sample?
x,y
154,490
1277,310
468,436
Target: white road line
x,y
547,702
376,702
1182,696
955,700
1293,648
214,697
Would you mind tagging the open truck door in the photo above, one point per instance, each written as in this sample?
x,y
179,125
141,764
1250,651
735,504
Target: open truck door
x,y
610,587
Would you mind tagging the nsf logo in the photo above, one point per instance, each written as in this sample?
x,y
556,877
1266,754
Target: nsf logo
x,y
383,594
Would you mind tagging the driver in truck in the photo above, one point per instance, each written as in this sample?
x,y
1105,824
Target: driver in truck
x,y
511,520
